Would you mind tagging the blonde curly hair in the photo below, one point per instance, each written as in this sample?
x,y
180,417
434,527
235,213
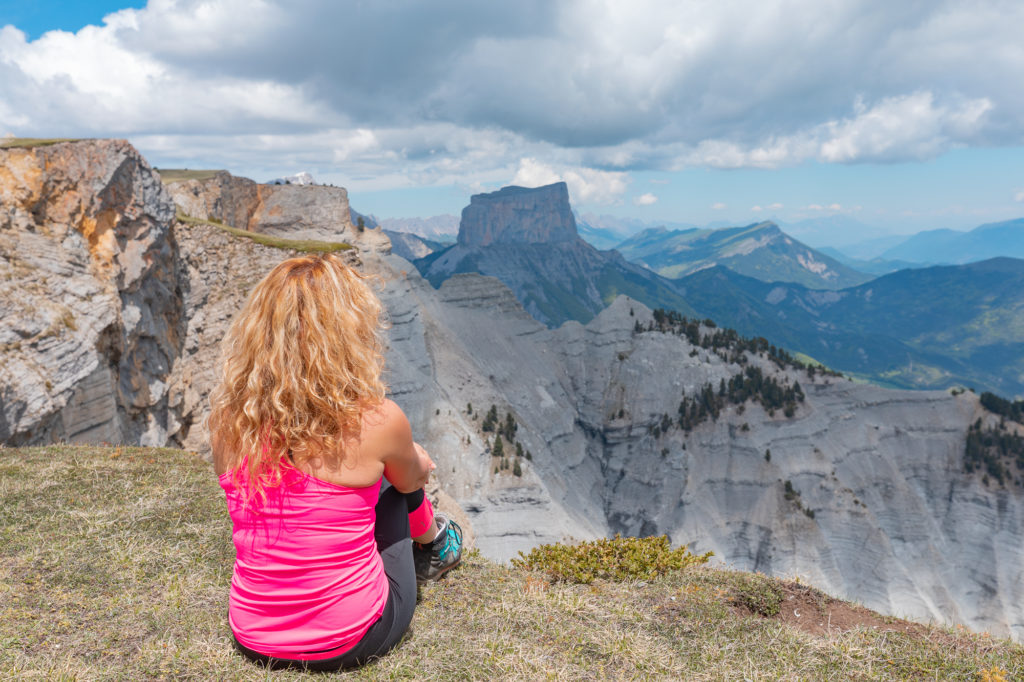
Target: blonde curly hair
x,y
301,361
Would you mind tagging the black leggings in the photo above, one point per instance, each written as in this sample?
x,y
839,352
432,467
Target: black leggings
x,y
391,532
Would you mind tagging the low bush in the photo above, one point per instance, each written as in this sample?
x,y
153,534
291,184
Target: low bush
x,y
613,559
758,594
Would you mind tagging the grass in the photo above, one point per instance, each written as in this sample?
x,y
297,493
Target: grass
x,y
115,564
170,175
25,142
304,245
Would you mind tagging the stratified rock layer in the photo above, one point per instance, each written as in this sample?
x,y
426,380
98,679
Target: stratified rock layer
x,y
90,311
308,212
518,215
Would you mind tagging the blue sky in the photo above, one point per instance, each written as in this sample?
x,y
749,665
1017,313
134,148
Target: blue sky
x,y
903,116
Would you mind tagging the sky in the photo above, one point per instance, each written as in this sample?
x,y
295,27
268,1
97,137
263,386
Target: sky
x,y
902,116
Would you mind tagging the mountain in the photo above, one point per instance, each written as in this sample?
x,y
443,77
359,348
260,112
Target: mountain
x,y
926,328
439,228
760,250
873,266
527,238
411,246
949,246
599,237
837,230
114,311
868,249
605,231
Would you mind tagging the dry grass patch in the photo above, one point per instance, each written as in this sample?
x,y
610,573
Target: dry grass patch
x,y
26,142
115,564
302,245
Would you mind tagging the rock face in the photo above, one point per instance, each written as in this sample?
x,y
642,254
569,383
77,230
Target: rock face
x,y
897,523
313,212
518,215
224,196
90,312
527,239
410,246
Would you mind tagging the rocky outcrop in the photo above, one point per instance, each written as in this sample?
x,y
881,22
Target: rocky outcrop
x,y
527,239
223,197
518,215
410,246
305,212
90,312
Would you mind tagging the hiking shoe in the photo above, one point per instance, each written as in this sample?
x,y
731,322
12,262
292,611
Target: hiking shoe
x,y
436,558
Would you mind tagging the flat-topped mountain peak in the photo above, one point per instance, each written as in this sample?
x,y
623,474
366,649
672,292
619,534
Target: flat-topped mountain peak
x,y
515,214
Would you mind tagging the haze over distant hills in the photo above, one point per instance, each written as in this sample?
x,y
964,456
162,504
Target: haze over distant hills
x,y
950,246
760,250
440,228
925,328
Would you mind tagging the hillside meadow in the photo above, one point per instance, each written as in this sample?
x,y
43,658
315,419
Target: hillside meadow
x,y
115,564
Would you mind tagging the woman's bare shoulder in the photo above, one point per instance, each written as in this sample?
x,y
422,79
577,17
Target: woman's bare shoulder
x,y
386,420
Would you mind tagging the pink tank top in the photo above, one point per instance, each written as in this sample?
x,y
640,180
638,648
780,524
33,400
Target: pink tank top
x,y
308,581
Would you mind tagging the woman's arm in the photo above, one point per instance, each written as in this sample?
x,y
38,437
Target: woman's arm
x,y
406,464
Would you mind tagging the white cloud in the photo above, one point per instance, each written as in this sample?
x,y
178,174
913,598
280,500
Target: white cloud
x,y
719,206
592,89
896,128
756,209
645,199
586,185
774,207
831,207
1019,196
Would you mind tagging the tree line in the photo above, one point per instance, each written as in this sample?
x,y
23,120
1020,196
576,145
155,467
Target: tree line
x,y
727,343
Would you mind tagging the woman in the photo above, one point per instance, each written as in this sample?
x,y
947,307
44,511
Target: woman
x,y
325,575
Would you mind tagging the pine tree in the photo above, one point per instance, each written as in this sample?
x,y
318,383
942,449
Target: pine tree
x,y
499,448
517,469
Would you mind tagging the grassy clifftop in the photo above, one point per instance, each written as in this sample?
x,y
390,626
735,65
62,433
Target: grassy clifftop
x,y
115,564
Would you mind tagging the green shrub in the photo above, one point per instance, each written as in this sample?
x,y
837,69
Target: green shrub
x,y
757,593
614,559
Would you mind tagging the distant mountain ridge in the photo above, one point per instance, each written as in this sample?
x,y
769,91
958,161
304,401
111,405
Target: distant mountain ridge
x,y
527,238
439,228
925,328
760,250
990,240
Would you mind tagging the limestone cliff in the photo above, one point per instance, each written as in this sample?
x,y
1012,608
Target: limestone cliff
x,y
862,492
314,212
518,215
90,311
527,238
